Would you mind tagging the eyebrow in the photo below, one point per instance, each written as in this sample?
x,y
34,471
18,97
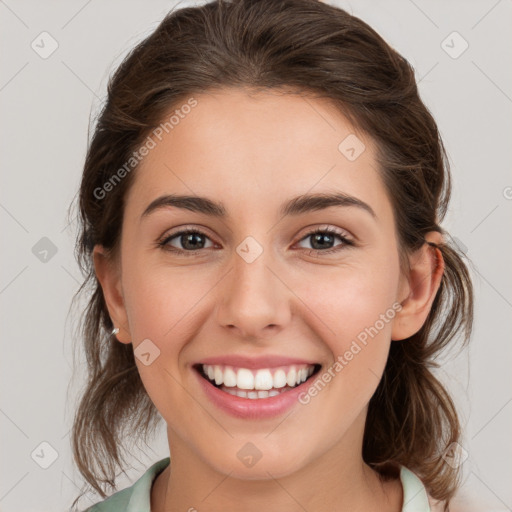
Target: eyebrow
x,y
295,206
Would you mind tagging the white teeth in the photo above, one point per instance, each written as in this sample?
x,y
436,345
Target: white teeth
x,y
230,378
245,379
234,392
264,380
219,377
279,379
291,377
254,394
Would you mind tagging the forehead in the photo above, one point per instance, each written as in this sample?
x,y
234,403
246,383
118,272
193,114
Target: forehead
x,y
258,149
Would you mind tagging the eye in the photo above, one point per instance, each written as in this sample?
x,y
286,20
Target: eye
x,y
187,240
322,240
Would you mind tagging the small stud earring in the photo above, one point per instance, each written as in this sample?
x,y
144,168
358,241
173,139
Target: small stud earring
x,y
115,330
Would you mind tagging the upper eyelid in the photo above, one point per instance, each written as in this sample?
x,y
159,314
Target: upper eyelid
x,y
325,227
171,233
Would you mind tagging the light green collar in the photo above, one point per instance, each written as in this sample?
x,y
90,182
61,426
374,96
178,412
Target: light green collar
x,y
137,498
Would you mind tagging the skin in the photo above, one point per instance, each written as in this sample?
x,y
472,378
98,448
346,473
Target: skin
x,y
253,152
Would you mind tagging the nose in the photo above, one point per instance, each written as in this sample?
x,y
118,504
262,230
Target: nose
x,y
254,300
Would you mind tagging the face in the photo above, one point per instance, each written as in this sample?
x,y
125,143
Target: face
x,y
260,286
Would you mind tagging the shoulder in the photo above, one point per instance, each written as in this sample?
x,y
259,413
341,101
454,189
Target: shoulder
x,y
137,497
117,502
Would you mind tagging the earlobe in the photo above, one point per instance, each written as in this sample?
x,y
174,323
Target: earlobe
x,y
426,272
108,275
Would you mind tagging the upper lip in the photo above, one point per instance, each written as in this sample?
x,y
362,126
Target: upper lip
x,y
268,361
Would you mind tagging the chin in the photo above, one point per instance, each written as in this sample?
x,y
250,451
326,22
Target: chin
x,y
251,463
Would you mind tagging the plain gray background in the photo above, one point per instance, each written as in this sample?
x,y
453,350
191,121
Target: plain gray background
x,y
46,105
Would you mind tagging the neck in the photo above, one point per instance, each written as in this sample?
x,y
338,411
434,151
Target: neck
x,y
338,480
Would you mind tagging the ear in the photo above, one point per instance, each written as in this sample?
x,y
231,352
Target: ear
x,y
109,277
421,285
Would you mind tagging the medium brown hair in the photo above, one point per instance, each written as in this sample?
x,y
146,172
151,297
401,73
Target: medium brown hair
x,y
311,48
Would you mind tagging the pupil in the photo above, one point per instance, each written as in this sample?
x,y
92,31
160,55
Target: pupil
x,y
321,239
190,241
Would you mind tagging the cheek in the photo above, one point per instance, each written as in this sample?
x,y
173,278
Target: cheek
x,y
356,314
160,302
354,299
163,305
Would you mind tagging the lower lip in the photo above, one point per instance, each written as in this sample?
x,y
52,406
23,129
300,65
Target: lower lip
x,y
256,408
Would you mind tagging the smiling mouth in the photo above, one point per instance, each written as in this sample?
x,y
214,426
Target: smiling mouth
x,y
257,384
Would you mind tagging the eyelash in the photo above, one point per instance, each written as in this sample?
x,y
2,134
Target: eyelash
x,y
315,252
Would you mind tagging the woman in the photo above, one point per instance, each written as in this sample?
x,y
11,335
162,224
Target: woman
x,y
261,206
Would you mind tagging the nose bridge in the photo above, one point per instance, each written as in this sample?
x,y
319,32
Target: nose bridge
x,y
253,297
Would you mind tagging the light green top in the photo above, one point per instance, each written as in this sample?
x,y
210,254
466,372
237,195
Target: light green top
x,y
137,498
